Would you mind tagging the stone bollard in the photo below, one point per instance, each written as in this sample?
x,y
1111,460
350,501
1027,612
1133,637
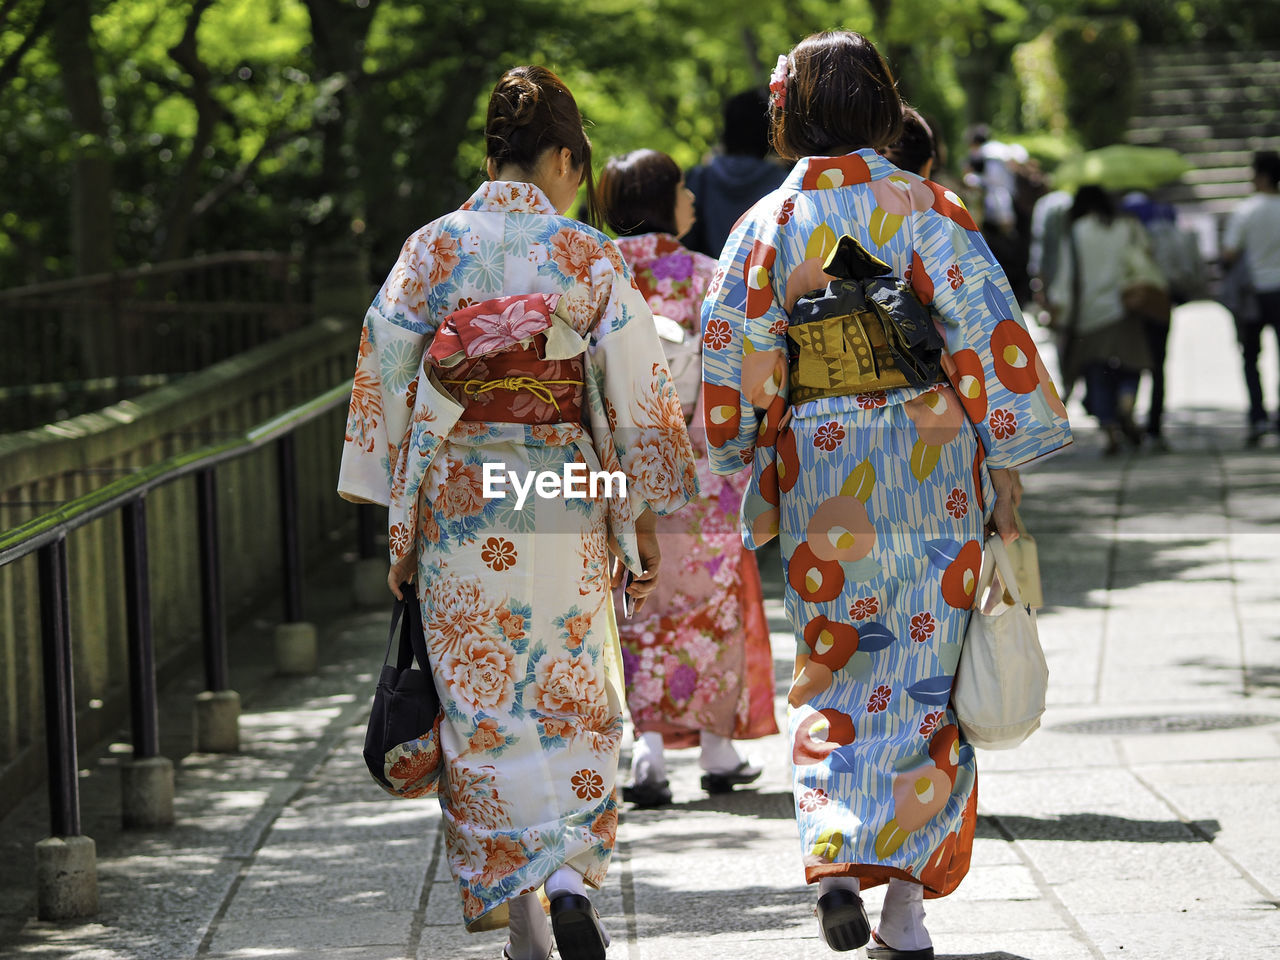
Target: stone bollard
x,y
217,721
66,878
146,793
370,576
296,649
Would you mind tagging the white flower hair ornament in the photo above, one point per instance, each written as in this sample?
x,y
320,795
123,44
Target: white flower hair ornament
x,y
778,82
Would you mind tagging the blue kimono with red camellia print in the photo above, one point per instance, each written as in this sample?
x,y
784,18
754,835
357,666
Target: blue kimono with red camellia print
x,y
878,502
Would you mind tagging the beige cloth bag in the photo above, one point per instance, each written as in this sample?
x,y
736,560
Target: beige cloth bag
x,y
1002,679
1026,566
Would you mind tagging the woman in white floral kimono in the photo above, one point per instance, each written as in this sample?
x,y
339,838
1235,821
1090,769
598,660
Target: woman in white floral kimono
x,y
509,342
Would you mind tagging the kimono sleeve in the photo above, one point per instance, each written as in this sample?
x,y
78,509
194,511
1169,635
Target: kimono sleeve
x,y
743,351
632,395
993,363
385,382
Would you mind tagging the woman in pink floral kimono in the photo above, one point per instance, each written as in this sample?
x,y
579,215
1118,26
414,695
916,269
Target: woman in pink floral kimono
x,y
698,664
509,344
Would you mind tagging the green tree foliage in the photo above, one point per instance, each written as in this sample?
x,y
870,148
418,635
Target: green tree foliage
x,y
151,129
1097,61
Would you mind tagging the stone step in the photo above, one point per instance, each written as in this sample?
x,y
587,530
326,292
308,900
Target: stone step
x,y
1203,152
1246,75
1251,111
1195,130
1216,209
1180,90
1241,157
1236,75
1242,175
1166,101
1216,107
1213,191
1154,58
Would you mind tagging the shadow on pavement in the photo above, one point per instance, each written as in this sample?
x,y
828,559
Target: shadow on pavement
x,y
1257,679
1094,827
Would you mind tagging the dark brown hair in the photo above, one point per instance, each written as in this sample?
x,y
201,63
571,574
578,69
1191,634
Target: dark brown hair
x,y
532,111
840,97
916,146
1092,199
638,193
1266,163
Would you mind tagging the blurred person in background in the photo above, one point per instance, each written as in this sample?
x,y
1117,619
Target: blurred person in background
x,y
1253,235
916,151
1101,340
997,168
1177,254
698,665
736,177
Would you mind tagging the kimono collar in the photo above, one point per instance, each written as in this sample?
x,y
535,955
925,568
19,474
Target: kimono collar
x,y
825,173
655,244
509,196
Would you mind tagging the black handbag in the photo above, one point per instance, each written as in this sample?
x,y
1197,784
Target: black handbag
x,y
402,741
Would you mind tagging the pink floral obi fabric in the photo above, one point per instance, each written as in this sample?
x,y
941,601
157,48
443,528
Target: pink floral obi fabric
x,y
491,358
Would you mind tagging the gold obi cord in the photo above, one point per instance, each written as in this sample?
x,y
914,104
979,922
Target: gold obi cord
x,y
539,388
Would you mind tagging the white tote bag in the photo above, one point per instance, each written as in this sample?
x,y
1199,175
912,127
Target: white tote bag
x,y
1002,678
684,360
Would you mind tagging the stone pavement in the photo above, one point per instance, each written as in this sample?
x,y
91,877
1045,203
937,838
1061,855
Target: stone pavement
x,y
1140,822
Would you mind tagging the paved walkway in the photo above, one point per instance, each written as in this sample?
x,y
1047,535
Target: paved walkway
x,y
1140,822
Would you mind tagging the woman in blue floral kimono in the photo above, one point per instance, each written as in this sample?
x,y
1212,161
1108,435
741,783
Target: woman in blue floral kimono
x,y
510,343
878,497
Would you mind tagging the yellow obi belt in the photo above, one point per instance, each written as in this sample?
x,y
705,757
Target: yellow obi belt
x,y
866,331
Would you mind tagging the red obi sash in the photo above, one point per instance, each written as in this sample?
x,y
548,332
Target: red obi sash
x,y
489,357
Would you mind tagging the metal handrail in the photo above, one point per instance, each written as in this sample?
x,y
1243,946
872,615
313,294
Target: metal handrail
x,y
146,271
46,536
27,537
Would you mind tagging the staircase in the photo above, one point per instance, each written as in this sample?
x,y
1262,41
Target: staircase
x,y
1215,107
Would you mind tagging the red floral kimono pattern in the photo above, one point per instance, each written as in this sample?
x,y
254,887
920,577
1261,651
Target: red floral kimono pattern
x,y
515,597
697,654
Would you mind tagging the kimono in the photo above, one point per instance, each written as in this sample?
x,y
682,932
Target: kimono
x,y
697,655
877,500
509,342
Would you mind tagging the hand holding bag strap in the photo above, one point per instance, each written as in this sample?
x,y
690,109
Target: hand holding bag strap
x,y
416,639
1008,577
1018,524
402,660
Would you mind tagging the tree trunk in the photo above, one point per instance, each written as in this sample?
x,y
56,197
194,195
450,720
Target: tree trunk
x,y
92,240
338,33
176,229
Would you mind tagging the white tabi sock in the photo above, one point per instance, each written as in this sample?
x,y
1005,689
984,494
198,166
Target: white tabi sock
x,y
568,880
529,930
565,880
718,753
827,884
902,917
647,762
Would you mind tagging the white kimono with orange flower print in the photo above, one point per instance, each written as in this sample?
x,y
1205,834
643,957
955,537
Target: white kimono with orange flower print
x,y
515,599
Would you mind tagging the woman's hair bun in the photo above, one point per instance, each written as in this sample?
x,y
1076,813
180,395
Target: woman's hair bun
x,y
530,111
515,101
